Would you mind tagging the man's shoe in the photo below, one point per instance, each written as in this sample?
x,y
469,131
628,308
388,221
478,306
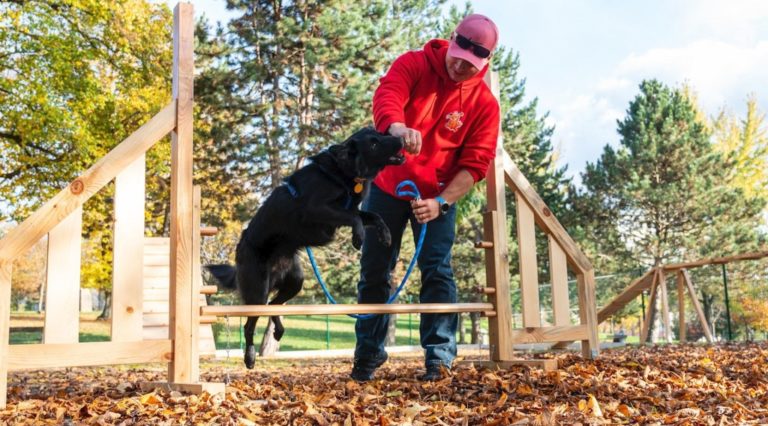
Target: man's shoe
x,y
364,368
434,372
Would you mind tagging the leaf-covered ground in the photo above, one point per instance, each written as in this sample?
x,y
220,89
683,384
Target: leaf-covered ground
x,y
669,385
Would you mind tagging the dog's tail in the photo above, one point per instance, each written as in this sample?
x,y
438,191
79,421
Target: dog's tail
x,y
224,274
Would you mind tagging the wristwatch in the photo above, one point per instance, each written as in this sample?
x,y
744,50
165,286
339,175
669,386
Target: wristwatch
x,y
444,205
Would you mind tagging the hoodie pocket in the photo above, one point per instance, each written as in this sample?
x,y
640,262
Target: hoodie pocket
x,y
425,178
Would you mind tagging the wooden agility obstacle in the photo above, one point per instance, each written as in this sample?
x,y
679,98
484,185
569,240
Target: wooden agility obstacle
x,y
60,220
655,281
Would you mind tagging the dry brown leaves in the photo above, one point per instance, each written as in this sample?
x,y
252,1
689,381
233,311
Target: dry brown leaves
x,y
664,385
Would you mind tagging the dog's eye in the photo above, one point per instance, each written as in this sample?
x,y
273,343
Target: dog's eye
x,y
374,146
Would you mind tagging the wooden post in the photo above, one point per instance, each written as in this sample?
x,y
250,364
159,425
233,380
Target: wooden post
x,y
5,327
529,280
127,276
697,307
590,348
62,290
180,369
681,306
649,310
497,256
558,272
664,304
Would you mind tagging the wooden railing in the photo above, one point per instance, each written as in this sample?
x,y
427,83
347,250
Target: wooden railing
x,y
563,252
61,220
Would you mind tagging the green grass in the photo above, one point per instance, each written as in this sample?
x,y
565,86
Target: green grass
x,y
312,332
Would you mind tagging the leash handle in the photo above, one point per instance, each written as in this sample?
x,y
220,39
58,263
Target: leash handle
x,y
402,192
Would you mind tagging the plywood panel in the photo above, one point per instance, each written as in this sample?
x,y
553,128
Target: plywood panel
x,y
62,290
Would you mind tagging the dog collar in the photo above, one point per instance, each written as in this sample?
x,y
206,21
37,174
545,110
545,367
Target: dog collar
x,y
359,182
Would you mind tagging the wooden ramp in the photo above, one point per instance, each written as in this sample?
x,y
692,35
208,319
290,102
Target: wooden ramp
x,y
157,254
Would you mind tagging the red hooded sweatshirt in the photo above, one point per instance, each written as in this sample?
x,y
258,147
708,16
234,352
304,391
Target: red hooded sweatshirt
x,y
459,122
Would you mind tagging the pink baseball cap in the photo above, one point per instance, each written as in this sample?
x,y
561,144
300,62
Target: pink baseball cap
x,y
483,36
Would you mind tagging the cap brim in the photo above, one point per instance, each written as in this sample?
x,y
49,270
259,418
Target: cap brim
x,y
457,52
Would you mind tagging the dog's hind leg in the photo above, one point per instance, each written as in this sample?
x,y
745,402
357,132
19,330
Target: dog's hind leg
x,y
253,279
288,287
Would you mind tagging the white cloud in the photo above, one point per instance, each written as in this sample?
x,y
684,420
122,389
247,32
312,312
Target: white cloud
x,y
719,72
736,20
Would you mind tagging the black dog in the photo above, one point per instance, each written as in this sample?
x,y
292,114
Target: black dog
x,y
306,211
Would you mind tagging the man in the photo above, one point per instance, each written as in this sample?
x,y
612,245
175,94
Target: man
x,y
436,100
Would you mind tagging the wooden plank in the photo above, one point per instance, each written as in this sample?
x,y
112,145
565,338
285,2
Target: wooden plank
x,y
681,305
341,309
497,252
630,293
716,261
649,308
529,273
558,272
62,289
5,323
550,334
543,215
664,304
697,307
181,285
52,213
545,364
38,356
590,347
128,250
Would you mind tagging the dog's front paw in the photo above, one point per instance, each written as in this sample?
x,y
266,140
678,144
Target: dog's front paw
x,y
384,236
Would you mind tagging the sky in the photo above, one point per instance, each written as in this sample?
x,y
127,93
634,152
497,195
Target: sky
x,y
584,59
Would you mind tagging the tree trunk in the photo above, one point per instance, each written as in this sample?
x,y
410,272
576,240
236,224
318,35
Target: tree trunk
x,y
474,317
106,313
462,332
269,346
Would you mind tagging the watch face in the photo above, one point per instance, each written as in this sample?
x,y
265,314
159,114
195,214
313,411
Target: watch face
x,y
444,208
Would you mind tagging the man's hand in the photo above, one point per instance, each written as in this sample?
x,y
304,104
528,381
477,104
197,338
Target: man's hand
x,y
412,137
425,210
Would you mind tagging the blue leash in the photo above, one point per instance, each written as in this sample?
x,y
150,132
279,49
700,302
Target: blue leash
x,y
402,193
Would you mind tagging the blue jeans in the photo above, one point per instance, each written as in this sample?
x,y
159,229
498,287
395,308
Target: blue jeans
x,y
437,331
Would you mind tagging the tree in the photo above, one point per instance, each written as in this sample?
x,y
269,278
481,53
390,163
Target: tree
x,y
663,194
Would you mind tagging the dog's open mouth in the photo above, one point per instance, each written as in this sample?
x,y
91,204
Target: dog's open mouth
x,y
396,159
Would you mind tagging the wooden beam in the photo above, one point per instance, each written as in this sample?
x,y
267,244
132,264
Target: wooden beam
x,y
543,215
716,261
21,357
181,294
5,325
24,236
633,290
529,270
62,289
497,247
558,272
128,253
681,306
664,304
697,307
197,283
550,334
380,308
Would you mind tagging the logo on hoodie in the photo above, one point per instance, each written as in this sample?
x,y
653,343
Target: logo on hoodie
x,y
453,121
